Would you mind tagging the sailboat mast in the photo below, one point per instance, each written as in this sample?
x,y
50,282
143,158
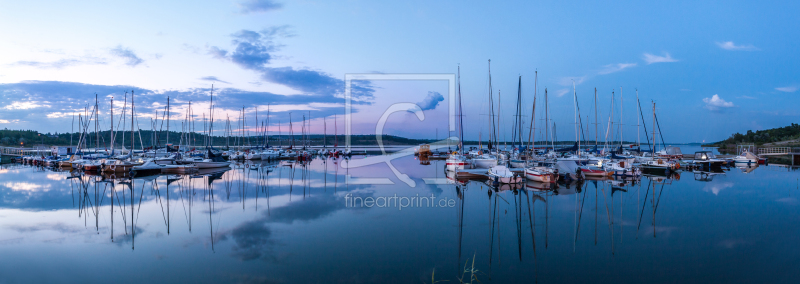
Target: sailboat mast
x,y
266,128
638,122
291,130
575,101
112,124
211,118
519,113
460,115
621,107
595,118
335,133
531,135
168,113
546,119
257,128
132,140
96,124
653,148
491,106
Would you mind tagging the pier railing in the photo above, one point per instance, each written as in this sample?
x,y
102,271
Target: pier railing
x,y
775,151
17,152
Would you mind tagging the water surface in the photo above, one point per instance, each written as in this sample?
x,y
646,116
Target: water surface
x,y
292,223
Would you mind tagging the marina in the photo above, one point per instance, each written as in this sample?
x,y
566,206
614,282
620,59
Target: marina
x,y
278,141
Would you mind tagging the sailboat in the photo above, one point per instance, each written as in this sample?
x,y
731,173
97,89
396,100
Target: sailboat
x,y
252,153
122,166
487,160
212,160
517,158
457,160
268,153
658,165
533,172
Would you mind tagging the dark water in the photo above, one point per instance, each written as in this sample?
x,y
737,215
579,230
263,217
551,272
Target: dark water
x,y
296,224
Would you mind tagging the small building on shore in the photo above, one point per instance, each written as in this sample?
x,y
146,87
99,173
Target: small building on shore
x,y
63,150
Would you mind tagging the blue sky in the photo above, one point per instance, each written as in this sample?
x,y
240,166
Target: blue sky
x,y
713,68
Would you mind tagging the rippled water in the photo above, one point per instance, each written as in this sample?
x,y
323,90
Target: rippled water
x,y
293,223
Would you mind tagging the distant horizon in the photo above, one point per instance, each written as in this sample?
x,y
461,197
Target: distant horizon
x,y
321,135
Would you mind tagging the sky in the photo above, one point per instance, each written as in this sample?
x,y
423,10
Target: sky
x,y
712,68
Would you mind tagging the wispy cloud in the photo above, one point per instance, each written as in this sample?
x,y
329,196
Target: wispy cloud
x,y
789,89
567,81
650,58
125,53
562,92
729,45
746,97
62,63
715,103
257,6
213,79
611,68
24,105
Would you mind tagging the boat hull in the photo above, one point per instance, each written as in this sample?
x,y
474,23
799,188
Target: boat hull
x,y
594,172
455,165
119,168
484,163
539,176
209,165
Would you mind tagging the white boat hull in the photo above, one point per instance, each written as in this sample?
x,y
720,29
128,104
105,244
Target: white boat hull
x,y
484,163
539,176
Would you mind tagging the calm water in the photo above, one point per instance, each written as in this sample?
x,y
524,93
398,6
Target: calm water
x,y
296,224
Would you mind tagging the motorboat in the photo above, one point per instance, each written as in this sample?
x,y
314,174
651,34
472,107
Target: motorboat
x,y
746,157
501,174
659,166
622,168
707,160
541,174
